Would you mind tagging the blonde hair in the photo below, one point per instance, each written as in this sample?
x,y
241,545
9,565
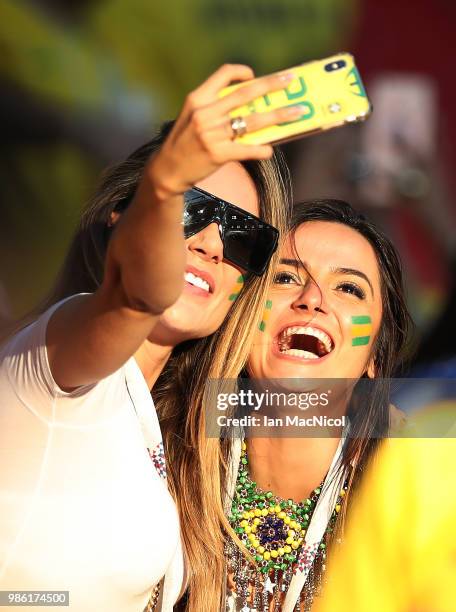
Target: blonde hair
x,y
197,465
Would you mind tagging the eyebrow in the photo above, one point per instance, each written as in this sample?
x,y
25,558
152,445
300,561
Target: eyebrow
x,y
354,272
296,263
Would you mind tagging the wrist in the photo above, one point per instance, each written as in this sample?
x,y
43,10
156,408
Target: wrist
x,y
162,179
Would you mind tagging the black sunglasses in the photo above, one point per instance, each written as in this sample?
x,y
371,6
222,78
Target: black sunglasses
x,y
248,242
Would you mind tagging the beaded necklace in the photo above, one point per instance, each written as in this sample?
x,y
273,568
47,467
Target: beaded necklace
x,y
273,531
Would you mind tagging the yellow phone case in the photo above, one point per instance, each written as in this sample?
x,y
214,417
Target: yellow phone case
x,y
330,90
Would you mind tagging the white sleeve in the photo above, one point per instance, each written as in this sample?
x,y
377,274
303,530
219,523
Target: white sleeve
x,y
25,375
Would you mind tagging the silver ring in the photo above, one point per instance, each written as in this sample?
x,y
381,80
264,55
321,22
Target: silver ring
x,y
239,126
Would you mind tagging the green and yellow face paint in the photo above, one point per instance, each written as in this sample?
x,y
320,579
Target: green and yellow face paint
x,y
236,290
361,330
265,317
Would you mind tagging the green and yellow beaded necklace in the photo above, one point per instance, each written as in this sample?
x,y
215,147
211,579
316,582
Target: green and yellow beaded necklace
x,y
272,530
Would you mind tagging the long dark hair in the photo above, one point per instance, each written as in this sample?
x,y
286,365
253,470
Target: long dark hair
x,y
182,417
391,347
369,408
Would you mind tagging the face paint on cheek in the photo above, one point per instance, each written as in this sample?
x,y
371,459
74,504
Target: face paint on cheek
x,y
361,330
236,290
266,313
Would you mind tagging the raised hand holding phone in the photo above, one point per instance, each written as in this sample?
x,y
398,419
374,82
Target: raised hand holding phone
x,y
203,137
329,92
146,255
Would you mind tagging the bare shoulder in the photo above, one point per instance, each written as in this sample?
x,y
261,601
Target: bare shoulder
x,y
92,335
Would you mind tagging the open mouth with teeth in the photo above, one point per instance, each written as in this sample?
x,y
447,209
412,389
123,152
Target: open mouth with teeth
x,y
196,281
305,342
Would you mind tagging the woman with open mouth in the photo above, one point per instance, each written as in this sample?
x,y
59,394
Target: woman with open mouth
x,y
336,310
178,235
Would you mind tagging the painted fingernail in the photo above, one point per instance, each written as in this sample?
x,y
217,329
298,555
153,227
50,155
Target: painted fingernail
x,y
286,77
295,110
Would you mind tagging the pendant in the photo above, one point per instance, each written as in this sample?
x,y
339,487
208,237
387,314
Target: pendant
x,y
273,530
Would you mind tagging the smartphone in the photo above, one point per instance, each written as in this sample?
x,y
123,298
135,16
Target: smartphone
x,y
330,91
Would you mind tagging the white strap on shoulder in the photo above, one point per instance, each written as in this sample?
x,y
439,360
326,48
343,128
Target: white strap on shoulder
x,y
233,468
325,506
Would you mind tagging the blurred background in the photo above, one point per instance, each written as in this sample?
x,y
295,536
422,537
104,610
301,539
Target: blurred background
x,y
84,82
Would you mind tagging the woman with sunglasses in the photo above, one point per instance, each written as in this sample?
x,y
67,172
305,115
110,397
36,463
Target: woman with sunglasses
x,y
336,311
83,506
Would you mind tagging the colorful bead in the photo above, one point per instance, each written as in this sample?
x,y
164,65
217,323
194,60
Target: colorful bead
x,y
272,529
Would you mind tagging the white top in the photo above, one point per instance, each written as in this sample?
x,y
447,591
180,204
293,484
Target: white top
x,y
82,505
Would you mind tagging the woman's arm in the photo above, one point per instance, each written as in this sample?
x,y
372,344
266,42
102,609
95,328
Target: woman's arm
x,y
91,336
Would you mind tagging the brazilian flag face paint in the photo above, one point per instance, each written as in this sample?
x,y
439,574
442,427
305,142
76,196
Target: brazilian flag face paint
x,y
236,290
266,313
361,330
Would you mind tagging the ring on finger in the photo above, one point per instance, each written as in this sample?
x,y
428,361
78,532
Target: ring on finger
x,y
238,127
